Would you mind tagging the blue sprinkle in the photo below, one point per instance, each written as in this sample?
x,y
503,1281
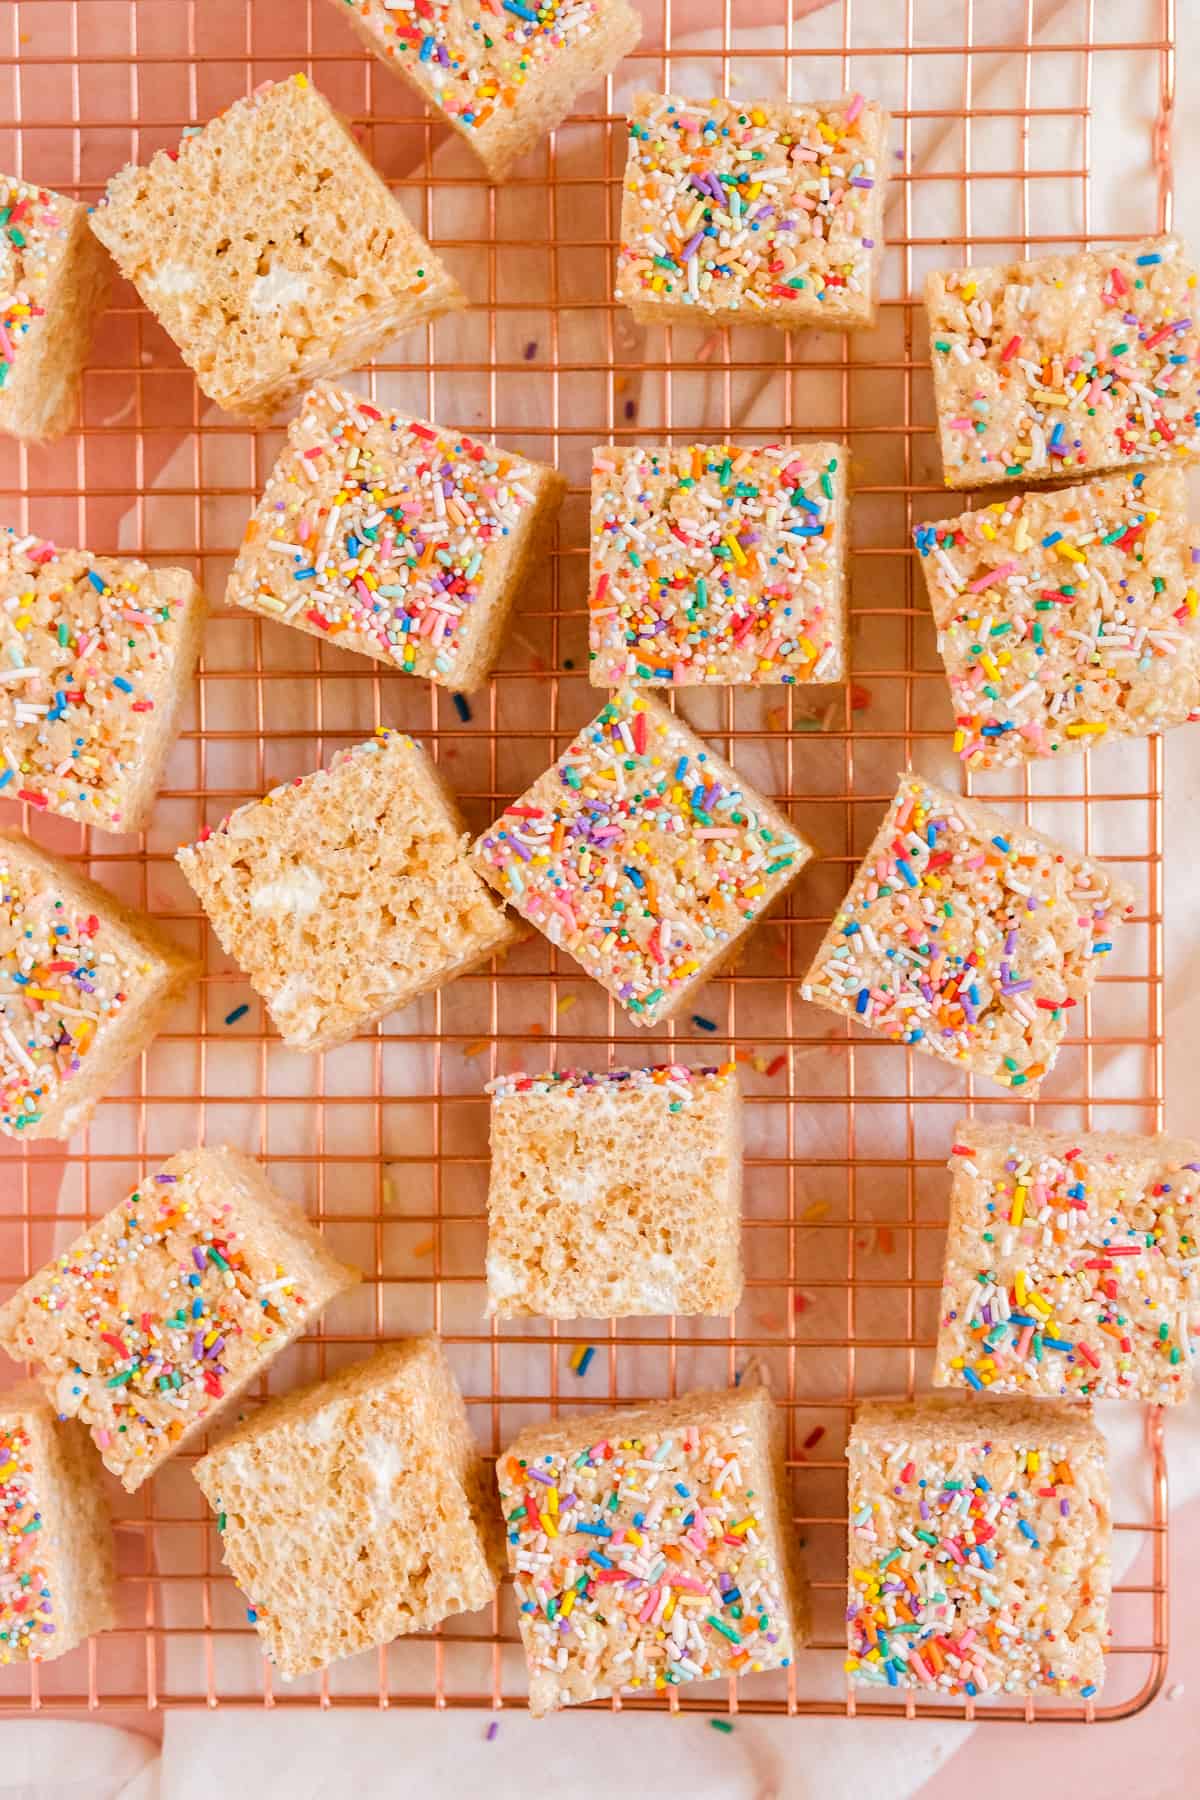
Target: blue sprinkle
x,y
974,1380
581,1367
1143,262
863,1000
238,1012
702,1023
96,582
461,708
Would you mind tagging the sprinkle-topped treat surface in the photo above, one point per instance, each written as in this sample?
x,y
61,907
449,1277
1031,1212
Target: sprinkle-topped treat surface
x,y
642,855
652,1548
394,538
1067,617
1065,366
968,936
979,1548
718,563
1071,1266
759,212
53,282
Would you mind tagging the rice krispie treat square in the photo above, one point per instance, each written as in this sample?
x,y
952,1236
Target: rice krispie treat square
x,y
85,983
642,856
356,1510
968,936
1067,616
502,75
54,280
761,212
101,651
1067,365
615,1195
718,563
1072,1266
160,1315
394,538
653,1547
980,1541
269,249
347,893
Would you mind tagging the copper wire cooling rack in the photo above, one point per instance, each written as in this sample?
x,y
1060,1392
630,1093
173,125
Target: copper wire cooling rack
x,y
1000,112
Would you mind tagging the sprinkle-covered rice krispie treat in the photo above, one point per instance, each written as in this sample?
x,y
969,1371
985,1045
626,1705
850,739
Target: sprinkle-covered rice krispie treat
x,y
760,212
1067,616
968,936
642,856
1072,1265
1065,366
718,563
653,1547
980,1538
397,539
54,280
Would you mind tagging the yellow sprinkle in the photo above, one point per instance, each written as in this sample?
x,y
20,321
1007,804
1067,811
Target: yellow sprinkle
x,y
566,1003
1089,728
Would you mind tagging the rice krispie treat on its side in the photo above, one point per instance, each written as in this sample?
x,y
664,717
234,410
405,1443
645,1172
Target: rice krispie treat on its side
x,y
642,856
1072,1266
270,250
1069,365
356,1510
347,893
718,564
394,538
615,1195
164,1312
765,212
653,1547
968,936
1067,616
54,280
101,651
84,984
502,75
980,1542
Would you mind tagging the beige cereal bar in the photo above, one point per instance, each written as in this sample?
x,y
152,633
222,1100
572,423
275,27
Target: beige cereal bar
x,y
57,1583
503,75
615,1195
395,538
85,983
1072,1267
155,1320
101,651
762,213
980,1546
718,563
54,280
356,1510
270,251
1065,366
347,893
653,1547
1068,616
642,856
968,936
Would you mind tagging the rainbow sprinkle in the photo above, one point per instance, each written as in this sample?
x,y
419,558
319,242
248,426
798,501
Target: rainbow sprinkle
x,y
35,228
27,1600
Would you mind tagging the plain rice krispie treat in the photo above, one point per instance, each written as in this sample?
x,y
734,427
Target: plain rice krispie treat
x,y
979,1547
101,651
761,212
347,893
160,1315
502,76
968,936
85,983
57,1576
270,250
54,280
718,563
397,539
653,1547
356,1510
641,855
1069,365
1067,616
1071,1265
616,1194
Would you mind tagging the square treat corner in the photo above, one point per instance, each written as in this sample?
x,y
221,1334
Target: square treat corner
x,y
54,281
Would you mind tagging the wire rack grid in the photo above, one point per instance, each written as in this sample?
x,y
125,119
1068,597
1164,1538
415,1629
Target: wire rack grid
x,y
996,110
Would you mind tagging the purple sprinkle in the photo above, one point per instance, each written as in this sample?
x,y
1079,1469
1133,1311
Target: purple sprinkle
x,y
860,181
691,247
199,1258
538,1475
198,1346
868,243
165,1178
493,1731
530,353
